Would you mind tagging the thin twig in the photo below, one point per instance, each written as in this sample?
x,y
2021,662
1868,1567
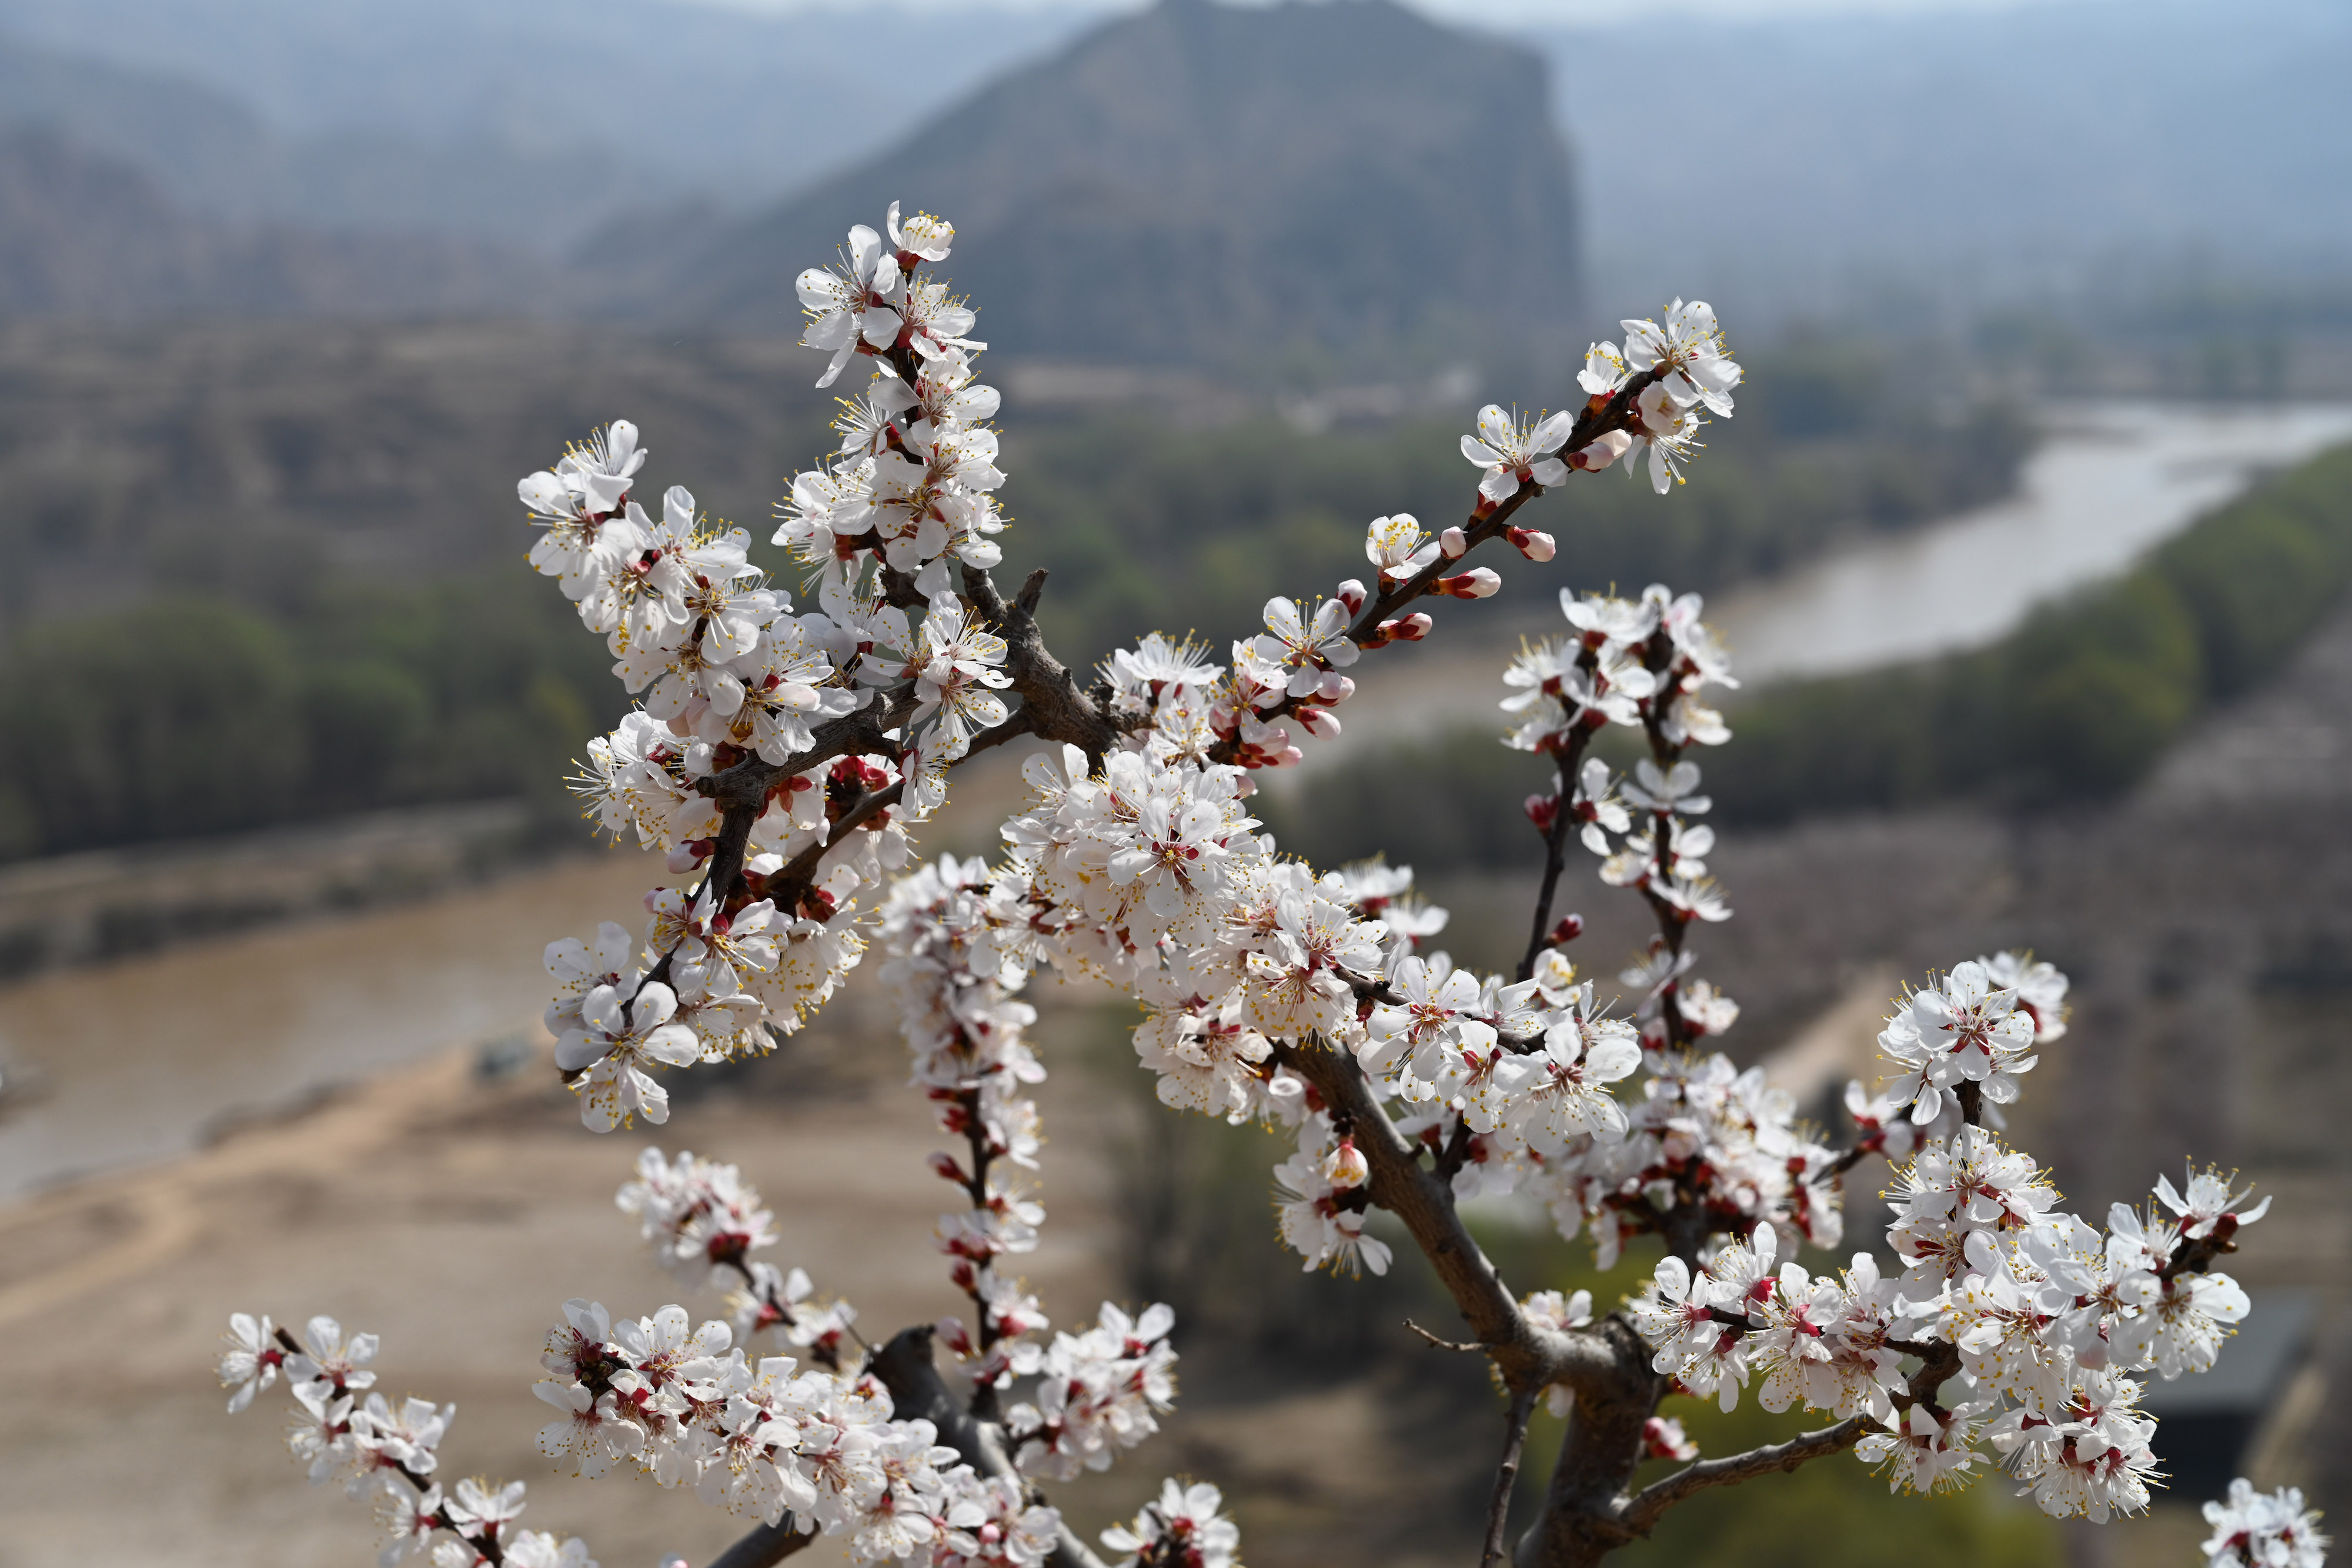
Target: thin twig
x,y
1469,1345
1506,1475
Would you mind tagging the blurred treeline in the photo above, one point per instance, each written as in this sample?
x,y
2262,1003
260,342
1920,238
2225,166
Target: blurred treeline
x,y
188,716
265,577
2077,703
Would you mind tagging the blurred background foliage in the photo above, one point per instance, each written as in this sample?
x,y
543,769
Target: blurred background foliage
x,y
189,716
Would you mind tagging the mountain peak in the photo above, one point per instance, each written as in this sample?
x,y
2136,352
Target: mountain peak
x,y
1221,186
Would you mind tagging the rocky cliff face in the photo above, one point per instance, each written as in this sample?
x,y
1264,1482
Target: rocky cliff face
x,y
1304,184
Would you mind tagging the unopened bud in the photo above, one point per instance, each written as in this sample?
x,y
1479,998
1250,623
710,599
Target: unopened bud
x,y
945,1165
1602,452
1345,1165
687,856
1351,594
1532,543
1334,688
1478,582
1320,723
1409,628
1454,543
1569,928
1542,810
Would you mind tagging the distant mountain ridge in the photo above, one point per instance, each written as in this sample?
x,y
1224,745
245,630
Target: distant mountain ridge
x,y
533,120
1220,186
213,155
85,236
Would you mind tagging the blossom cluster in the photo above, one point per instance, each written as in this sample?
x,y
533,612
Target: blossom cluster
x,y
1640,662
959,1012
703,1222
1180,1528
733,675
2044,1318
1092,1394
962,942
342,1430
730,673
2264,1530
1686,369
768,1438
911,486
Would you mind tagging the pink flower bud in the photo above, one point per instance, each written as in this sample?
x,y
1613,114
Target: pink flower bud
x,y
1320,723
1541,811
1453,543
1569,928
1532,543
686,856
1478,582
1345,1165
1351,594
1334,688
1602,452
1409,628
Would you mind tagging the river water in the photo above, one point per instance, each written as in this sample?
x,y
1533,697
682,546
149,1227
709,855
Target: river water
x,y
2113,480
2109,481
142,1058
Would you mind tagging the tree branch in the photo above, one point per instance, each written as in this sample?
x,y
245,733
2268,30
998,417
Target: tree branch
x,y
1525,1356
765,1544
1642,1512
1050,698
1486,521
1554,848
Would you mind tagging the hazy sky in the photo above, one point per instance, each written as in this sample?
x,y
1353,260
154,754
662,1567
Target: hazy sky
x,y
1508,12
